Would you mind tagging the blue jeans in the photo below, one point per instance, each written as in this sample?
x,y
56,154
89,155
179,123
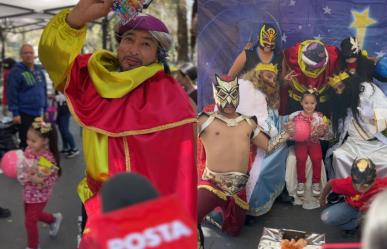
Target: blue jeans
x,y
63,121
341,215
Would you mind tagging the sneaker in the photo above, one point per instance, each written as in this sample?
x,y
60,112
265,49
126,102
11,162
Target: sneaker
x,y
65,151
4,213
54,227
300,189
316,189
72,153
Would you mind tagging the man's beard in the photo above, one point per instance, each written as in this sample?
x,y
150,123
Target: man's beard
x,y
271,92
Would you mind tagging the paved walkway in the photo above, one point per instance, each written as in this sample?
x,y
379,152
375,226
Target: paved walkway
x,y
280,216
64,199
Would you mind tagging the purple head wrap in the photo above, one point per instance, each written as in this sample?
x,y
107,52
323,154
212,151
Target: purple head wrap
x,y
146,23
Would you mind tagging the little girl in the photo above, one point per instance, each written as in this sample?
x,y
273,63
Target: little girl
x,y
311,146
38,174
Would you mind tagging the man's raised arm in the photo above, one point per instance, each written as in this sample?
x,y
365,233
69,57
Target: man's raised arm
x,y
64,37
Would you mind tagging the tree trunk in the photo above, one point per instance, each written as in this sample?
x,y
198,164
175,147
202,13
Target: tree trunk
x,y
105,26
194,22
2,38
182,31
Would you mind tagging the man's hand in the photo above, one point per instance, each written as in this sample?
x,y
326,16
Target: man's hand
x,y
289,128
249,45
289,76
323,201
324,193
17,120
88,10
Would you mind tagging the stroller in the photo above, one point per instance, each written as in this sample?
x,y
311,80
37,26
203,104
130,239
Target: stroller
x,y
8,139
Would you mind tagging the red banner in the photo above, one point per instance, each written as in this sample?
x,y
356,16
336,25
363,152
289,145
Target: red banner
x,y
158,224
343,245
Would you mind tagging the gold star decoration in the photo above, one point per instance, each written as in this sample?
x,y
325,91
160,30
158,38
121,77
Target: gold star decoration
x,y
361,21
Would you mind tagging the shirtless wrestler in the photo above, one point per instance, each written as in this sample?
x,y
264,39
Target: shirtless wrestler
x,y
226,136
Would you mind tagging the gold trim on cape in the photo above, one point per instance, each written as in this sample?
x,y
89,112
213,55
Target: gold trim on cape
x,y
127,154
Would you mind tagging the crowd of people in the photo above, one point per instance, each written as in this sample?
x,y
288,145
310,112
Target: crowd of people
x,y
334,119
312,106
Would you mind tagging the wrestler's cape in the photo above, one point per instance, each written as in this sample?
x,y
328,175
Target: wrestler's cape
x,y
148,131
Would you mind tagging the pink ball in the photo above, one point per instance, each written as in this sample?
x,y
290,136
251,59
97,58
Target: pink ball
x,y
301,130
10,162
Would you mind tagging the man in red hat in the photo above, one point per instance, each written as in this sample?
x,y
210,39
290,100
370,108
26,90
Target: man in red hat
x,y
135,116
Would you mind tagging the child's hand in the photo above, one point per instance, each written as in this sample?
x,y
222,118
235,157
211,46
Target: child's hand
x,y
44,171
31,173
289,128
318,131
32,170
36,179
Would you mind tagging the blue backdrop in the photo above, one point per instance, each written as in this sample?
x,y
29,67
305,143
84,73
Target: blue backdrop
x,y
225,26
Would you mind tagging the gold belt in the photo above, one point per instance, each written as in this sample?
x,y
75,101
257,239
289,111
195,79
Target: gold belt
x,y
229,182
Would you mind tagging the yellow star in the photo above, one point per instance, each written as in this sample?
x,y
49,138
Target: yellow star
x,y
361,21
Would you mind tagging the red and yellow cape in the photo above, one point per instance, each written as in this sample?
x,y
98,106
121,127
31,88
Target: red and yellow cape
x,y
148,131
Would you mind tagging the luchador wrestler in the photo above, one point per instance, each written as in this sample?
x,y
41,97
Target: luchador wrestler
x,y
359,189
354,60
312,63
129,107
263,52
226,136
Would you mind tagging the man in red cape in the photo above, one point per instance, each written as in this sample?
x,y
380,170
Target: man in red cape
x,y
135,116
310,64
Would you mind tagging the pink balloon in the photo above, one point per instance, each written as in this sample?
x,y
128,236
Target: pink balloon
x,y
301,130
10,162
